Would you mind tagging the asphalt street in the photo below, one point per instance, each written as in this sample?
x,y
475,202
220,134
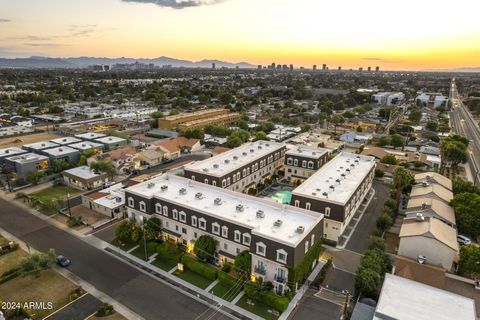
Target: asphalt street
x,y
359,240
80,309
147,297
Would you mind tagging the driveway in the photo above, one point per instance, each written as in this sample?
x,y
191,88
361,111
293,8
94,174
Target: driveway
x,y
358,241
79,309
312,307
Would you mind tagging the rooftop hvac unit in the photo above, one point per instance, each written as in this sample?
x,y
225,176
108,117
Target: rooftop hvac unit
x,y
325,194
267,144
239,207
118,199
424,206
419,217
216,166
260,214
278,223
182,191
43,144
314,153
356,161
227,161
244,153
150,185
343,175
428,178
352,165
251,150
338,180
198,195
235,158
300,229
205,169
60,149
421,259
164,187
318,189
425,184
347,170
217,201
259,147
332,187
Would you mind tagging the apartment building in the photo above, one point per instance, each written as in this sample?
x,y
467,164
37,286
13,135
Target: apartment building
x,y
301,162
22,164
241,168
10,152
278,236
172,122
220,120
337,189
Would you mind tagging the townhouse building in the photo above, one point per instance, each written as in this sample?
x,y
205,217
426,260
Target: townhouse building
x,y
278,236
302,161
241,168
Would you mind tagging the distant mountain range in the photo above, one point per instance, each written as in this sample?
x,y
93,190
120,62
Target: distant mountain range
x,y
84,62
461,69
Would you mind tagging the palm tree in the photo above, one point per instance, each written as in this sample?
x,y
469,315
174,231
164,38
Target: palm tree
x,y
401,179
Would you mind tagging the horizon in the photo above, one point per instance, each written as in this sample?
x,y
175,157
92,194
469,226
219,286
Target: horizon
x,y
255,32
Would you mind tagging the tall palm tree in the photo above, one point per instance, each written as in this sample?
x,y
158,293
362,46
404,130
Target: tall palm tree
x,y
401,179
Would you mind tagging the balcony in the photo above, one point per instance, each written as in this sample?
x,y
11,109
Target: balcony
x,y
280,279
260,270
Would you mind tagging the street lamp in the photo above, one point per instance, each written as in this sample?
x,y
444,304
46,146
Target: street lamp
x,y
144,238
68,205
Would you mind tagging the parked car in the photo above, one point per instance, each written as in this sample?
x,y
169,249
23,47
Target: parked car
x,y
463,240
63,261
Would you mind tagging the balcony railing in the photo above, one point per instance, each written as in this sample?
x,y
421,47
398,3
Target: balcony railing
x,y
280,279
260,270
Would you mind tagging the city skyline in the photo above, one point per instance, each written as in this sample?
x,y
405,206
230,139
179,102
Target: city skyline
x,y
416,36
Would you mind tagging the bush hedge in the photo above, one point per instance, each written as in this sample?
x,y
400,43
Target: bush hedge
x,y
228,280
168,251
258,292
323,273
9,248
201,268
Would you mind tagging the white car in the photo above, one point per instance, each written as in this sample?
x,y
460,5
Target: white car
x,y
463,240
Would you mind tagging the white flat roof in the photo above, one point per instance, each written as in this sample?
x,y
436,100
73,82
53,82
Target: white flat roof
x,y
90,135
114,198
11,151
27,157
410,300
85,145
354,168
83,172
41,145
305,151
110,139
236,158
59,151
65,140
290,216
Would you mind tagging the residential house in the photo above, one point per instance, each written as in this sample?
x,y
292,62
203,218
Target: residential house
x,y
84,178
124,160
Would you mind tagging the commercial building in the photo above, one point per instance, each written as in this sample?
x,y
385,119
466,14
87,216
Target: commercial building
x,y
434,100
10,152
172,122
241,168
84,178
302,161
220,120
25,163
410,300
336,190
278,236
388,98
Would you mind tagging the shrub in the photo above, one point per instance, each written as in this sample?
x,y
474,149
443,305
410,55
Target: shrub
x,y
105,310
243,262
304,267
379,173
9,275
36,262
201,268
76,293
228,280
227,267
74,222
168,251
205,248
261,293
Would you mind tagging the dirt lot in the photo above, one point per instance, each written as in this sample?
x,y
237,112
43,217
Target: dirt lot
x,y
88,216
18,141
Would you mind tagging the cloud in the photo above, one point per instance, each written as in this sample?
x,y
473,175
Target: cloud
x,y
178,4
374,59
77,30
5,20
31,38
382,60
49,44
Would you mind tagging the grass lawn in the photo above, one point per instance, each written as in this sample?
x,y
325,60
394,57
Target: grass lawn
x,y
11,260
124,246
140,251
164,265
224,292
115,316
49,286
53,193
259,308
193,278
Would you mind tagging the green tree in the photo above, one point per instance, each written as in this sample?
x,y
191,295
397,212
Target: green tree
x,y
469,261
397,140
376,243
153,228
460,186
123,232
383,141
59,166
243,262
104,166
467,212
431,125
242,124
401,179
415,116
389,159
367,283
205,247
337,120
194,134
260,135
384,221
379,173
36,262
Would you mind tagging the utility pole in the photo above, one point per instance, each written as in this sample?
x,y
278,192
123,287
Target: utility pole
x,y
144,239
345,306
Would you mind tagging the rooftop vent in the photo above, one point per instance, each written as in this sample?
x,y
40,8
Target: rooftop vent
x,y
244,153
421,259
332,187
216,166
164,187
118,199
278,223
150,185
199,195
205,169
251,150
352,165
260,214
356,161
60,149
419,217
424,206
259,147
84,145
343,175
300,229
338,181
43,144
325,194
425,184
217,201
7,151
182,191
318,189
240,207
348,170
314,153
227,161
267,144
428,178
235,158
64,139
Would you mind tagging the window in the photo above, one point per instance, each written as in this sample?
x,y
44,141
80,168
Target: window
x,y
165,210
195,235
175,214
238,176
237,236
310,164
131,203
327,212
215,228
224,183
193,178
307,205
228,181
306,246
225,246
206,181
248,171
202,223
246,239
237,250
304,163
281,256
313,239
142,206
214,183
183,217
261,248
225,231
176,228
295,162
158,208
244,172
234,178
194,221
290,161
297,203
184,230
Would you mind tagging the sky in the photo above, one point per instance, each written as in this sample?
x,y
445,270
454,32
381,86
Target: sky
x,y
395,35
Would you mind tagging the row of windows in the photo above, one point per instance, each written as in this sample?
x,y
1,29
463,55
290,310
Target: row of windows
x,y
261,249
305,164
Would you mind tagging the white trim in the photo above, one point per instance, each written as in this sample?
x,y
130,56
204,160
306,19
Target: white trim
x,y
283,252
193,221
237,236
246,235
225,231
262,246
183,216
204,222
215,225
